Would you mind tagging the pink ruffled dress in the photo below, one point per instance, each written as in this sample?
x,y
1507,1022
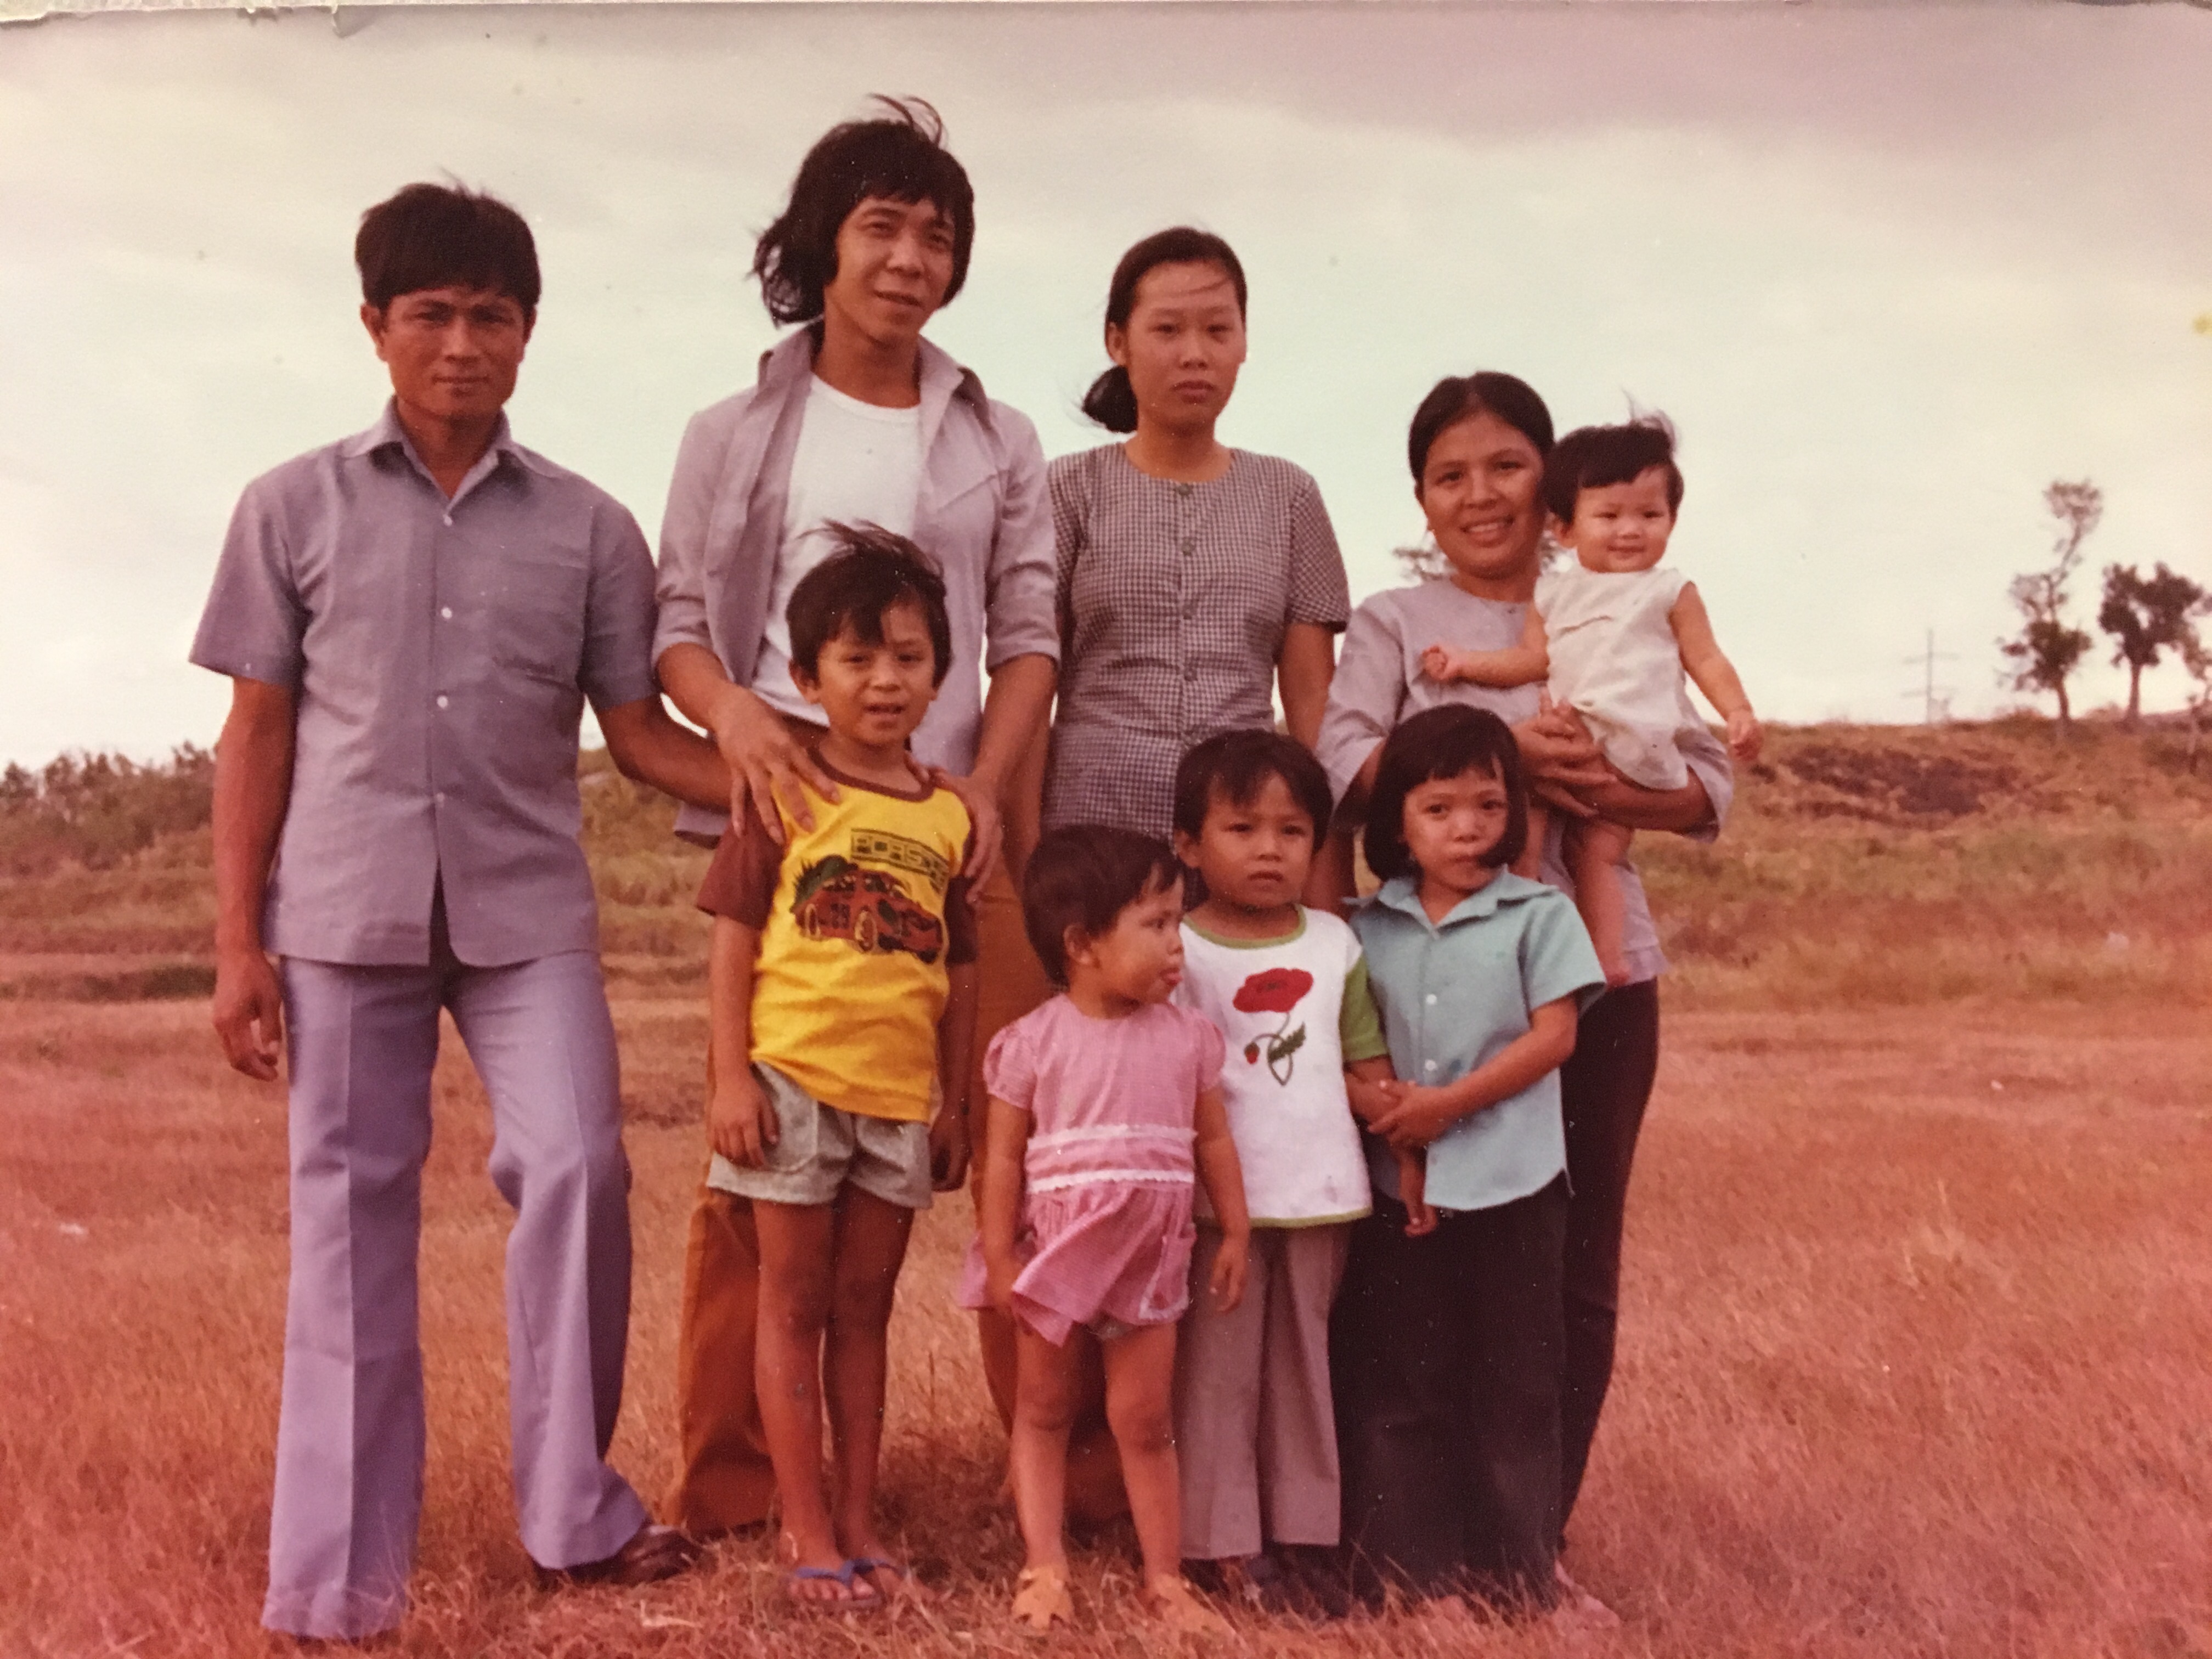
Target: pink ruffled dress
x,y
1105,1231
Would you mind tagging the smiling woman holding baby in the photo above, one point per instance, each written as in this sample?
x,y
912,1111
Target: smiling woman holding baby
x,y
1478,448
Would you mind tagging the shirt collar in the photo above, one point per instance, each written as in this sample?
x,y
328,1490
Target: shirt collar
x,y
388,433
1403,894
789,362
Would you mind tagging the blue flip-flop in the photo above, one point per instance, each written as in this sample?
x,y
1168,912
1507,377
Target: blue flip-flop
x,y
867,1564
845,1572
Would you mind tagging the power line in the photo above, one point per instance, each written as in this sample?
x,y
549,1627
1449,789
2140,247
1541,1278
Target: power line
x,y
1936,703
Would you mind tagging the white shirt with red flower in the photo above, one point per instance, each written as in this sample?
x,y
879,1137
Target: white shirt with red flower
x,y
1281,1005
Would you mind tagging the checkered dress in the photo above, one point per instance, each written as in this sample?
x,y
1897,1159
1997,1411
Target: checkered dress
x,y
1174,598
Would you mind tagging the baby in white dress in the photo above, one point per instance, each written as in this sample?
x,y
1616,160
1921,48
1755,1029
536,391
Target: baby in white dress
x,y
1615,634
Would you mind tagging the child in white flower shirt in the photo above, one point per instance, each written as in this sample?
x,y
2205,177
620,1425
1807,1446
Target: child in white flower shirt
x,y
1287,986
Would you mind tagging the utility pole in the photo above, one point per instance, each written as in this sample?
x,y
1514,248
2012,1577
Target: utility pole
x,y
1933,705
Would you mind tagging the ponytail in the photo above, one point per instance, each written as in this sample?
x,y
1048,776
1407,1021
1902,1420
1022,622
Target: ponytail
x,y
1112,401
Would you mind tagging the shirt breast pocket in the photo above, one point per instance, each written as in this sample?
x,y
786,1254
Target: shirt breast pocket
x,y
537,614
958,508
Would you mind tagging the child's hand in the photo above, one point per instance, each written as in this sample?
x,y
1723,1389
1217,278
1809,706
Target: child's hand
x,y
1413,1190
949,1149
740,1123
1000,1273
1743,735
1231,1262
1420,1115
1371,1098
1440,662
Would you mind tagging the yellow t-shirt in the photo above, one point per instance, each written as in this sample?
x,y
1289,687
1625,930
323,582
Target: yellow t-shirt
x,y
859,919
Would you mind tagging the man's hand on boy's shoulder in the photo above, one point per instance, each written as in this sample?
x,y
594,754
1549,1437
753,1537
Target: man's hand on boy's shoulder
x,y
740,1121
986,824
949,1150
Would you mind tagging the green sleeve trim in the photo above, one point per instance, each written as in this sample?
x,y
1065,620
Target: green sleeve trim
x,y
1359,1026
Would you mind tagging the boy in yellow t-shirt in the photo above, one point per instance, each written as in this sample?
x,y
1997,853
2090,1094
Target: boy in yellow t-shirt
x,y
843,1003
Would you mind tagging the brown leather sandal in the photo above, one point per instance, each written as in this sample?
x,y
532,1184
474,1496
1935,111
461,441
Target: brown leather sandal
x,y
1170,1599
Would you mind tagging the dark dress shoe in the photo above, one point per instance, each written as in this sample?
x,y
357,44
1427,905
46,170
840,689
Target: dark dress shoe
x,y
654,1552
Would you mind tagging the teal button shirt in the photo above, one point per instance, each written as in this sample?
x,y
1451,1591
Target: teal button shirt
x,y
1453,993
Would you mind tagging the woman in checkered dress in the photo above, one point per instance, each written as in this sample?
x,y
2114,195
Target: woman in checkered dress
x,y
1193,578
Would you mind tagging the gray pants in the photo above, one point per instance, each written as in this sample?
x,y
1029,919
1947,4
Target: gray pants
x,y
350,1443
1255,1427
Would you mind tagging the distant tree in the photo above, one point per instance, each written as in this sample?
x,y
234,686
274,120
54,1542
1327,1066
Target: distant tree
x,y
2197,659
2147,615
1422,561
2048,648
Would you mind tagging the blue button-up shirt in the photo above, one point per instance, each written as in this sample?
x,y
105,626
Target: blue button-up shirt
x,y
1453,993
440,652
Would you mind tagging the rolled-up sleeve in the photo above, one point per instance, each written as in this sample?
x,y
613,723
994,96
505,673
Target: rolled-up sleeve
x,y
1319,594
618,620
1020,619
1364,697
681,585
255,621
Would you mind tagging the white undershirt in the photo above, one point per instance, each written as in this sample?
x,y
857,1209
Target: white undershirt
x,y
855,464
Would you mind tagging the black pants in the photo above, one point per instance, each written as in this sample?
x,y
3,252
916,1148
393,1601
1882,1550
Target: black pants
x,y
1446,1354
1604,1089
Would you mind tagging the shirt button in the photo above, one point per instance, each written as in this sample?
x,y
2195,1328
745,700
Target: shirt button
x,y
449,521
1190,547
440,798
1182,489
442,700
446,611
1430,1065
1431,999
1190,677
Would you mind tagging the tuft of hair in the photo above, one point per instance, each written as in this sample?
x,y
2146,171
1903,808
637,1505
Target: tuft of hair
x,y
1459,398
1442,742
1235,766
1112,402
443,236
898,155
1081,877
1592,457
871,570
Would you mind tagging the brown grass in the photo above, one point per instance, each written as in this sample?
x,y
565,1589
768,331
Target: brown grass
x,y
1919,1286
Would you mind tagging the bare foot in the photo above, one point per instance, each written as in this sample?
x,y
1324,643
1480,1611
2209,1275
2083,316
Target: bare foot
x,y
1577,1608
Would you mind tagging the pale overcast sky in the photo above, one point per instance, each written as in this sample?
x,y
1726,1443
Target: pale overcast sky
x,y
1890,271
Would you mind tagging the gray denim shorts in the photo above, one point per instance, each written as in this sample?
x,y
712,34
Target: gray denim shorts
x,y
820,1148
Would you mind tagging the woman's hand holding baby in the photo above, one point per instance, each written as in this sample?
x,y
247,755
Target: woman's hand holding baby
x,y
1561,758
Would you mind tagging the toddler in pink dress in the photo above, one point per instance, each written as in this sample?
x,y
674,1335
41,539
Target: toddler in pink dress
x,y
1106,1112
1105,1231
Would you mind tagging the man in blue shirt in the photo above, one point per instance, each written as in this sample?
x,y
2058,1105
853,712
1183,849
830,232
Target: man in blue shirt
x,y
412,620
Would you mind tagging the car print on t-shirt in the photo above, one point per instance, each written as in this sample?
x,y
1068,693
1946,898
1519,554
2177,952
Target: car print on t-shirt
x,y
836,898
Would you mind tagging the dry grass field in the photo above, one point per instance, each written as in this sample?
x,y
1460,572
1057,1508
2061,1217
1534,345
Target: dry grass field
x,y
1918,1352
